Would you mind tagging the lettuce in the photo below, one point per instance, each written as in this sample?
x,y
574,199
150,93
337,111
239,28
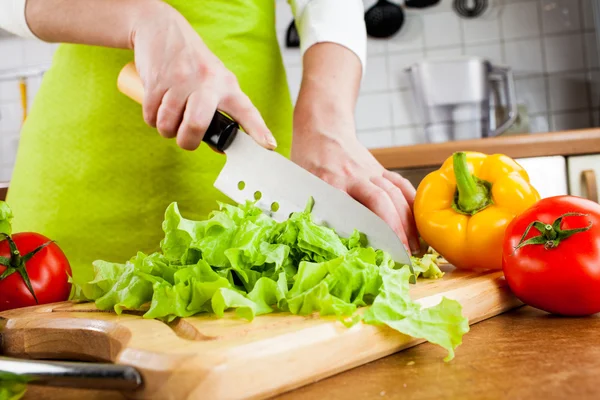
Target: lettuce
x,y
6,217
12,386
241,259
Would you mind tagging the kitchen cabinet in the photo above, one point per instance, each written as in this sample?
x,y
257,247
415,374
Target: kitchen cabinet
x,y
547,174
584,176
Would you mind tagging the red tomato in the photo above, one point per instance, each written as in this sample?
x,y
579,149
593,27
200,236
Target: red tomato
x,y
47,272
560,276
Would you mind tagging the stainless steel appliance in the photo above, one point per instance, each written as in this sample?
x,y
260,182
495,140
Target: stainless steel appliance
x,y
455,98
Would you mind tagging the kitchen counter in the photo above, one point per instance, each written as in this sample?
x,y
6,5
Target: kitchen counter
x,y
522,354
565,143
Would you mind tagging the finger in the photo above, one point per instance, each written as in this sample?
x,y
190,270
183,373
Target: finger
x,y
241,109
153,96
378,201
199,112
403,209
407,188
170,112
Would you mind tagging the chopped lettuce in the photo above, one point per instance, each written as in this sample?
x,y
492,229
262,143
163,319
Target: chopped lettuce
x,y
441,324
427,266
12,386
241,259
6,217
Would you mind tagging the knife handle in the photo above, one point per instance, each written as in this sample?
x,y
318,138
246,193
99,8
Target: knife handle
x,y
220,132
74,374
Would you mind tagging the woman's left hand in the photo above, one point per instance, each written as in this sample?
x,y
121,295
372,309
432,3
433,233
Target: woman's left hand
x,y
326,145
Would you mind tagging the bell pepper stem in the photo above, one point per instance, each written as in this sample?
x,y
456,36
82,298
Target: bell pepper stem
x,y
473,194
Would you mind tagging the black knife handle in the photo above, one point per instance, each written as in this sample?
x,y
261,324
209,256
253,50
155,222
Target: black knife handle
x,y
220,132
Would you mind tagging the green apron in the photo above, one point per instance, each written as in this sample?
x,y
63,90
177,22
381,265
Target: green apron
x,y
93,176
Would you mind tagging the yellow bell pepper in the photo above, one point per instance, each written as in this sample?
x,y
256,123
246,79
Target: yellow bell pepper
x,y
462,209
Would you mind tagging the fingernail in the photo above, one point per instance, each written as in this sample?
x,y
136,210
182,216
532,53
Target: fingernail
x,y
415,246
271,141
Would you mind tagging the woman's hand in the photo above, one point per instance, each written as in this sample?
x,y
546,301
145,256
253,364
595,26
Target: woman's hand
x,y
331,151
185,83
325,142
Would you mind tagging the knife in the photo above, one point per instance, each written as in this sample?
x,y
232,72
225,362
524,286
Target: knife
x,y
73,374
278,186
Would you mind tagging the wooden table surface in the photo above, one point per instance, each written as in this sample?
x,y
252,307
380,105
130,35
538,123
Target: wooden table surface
x,y
522,354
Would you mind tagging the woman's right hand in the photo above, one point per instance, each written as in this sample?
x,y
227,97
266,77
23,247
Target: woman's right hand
x,y
185,83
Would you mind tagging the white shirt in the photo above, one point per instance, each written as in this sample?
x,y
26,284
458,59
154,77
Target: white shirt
x,y
337,21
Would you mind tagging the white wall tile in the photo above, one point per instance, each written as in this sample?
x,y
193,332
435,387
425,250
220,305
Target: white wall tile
x,y
376,46
593,81
404,111
373,111
11,116
442,29
490,51
531,92
572,120
588,14
445,52
539,123
294,78
411,36
481,30
595,118
440,7
398,78
376,78
5,172
37,53
591,51
516,1
524,56
8,148
9,91
564,53
520,20
11,53
404,136
561,16
376,139
567,92
283,16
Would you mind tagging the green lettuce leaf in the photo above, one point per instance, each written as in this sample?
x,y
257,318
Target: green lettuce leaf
x,y
130,290
6,216
239,259
12,386
442,324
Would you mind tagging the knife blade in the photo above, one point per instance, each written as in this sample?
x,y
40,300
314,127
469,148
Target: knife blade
x,y
277,185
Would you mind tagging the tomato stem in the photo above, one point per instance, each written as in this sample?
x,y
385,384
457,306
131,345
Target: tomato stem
x,y
472,194
551,235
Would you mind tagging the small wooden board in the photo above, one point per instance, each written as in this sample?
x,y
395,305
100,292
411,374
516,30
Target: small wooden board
x,y
206,357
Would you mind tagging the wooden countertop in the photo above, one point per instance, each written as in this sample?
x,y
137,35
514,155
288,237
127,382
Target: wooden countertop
x,y
584,141
522,354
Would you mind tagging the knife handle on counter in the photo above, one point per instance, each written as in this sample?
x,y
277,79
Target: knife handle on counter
x,y
83,375
221,131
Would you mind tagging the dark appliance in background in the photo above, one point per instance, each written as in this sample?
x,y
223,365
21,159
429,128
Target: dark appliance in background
x,y
384,19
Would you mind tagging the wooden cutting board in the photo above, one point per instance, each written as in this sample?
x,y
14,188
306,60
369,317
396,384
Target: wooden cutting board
x,y
210,358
